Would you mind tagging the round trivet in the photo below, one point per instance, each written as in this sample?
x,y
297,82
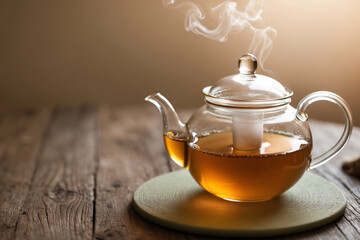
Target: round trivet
x,y
176,201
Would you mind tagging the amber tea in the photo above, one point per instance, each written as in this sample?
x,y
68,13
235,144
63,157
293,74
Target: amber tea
x,y
243,175
177,148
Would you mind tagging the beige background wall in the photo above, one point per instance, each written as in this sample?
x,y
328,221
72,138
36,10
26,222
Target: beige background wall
x,y
117,52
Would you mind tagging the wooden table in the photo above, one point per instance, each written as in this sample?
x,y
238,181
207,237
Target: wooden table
x,y
71,174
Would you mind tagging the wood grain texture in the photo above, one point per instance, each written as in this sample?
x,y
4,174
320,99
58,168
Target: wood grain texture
x,y
20,138
326,134
73,176
131,152
59,204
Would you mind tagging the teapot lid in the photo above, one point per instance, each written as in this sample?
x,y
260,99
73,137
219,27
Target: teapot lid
x,y
248,89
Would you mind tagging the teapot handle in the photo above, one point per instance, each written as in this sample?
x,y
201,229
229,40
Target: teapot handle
x,y
334,98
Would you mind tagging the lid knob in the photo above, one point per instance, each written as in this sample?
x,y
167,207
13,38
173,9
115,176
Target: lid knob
x,y
247,64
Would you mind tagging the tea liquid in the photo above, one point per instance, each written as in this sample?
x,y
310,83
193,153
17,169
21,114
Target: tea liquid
x,y
177,148
244,175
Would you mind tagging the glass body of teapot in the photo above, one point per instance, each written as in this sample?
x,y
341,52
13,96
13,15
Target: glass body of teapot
x,y
247,143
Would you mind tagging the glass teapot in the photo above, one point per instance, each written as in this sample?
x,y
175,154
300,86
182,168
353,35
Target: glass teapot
x,y
247,143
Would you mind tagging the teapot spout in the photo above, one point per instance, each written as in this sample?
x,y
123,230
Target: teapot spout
x,y
171,122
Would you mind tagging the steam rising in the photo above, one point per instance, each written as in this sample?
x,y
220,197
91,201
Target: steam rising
x,y
230,20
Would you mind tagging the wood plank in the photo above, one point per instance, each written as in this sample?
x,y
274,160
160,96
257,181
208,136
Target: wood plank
x,y
131,152
20,138
60,200
349,225
58,178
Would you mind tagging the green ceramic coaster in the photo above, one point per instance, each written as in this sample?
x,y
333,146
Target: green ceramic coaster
x,y
176,201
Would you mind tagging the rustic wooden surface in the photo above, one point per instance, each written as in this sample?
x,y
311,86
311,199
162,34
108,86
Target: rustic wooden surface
x,y
70,173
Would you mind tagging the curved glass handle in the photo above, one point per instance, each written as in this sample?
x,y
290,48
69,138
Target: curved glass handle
x,y
331,97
